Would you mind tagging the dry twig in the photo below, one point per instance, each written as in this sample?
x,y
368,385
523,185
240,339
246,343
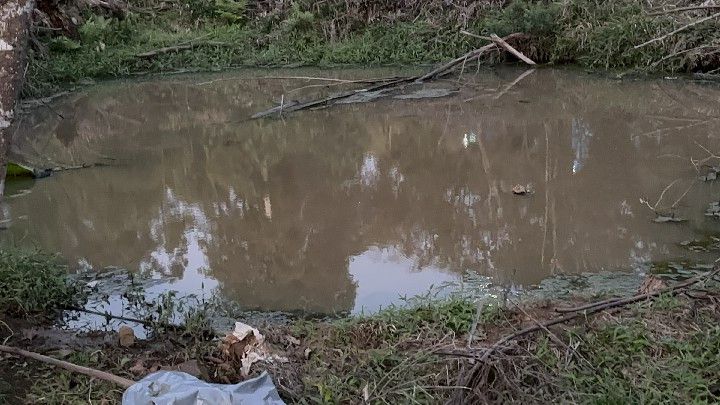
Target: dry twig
x,y
683,28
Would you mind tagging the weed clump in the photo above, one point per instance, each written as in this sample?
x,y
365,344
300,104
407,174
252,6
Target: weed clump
x,y
33,282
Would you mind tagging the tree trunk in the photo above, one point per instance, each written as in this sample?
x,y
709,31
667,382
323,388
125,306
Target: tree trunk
x,y
15,16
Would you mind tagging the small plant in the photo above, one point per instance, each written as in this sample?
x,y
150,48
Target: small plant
x,y
231,11
34,282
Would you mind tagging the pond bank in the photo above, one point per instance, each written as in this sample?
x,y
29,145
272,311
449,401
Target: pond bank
x,y
152,36
662,346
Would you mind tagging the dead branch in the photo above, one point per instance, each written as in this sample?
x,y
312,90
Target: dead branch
x,y
468,57
683,28
296,106
179,47
76,167
440,71
592,309
586,306
681,9
512,50
470,34
166,49
108,315
90,372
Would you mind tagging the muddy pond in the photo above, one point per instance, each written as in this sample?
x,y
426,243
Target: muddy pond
x,y
350,208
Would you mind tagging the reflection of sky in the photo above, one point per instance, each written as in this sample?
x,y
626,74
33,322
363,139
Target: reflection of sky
x,y
381,273
190,254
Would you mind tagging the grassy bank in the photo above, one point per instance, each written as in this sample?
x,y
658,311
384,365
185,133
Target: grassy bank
x,y
218,34
663,349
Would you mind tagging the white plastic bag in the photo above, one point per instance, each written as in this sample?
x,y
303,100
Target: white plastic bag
x,y
178,388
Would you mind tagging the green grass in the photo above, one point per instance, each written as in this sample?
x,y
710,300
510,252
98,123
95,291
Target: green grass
x,y
34,282
659,351
631,363
664,351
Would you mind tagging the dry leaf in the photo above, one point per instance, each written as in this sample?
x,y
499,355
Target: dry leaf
x,y
138,368
126,336
651,284
292,340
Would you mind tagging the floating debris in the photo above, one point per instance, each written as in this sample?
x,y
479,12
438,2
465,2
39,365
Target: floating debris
x,y
712,174
522,189
426,93
679,270
661,219
469,139
706,244
713,210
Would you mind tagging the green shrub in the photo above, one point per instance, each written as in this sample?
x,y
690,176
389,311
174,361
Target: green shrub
x,y
33,282
231,11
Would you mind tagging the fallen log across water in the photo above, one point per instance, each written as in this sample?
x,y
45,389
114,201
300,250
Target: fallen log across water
x,y
385,85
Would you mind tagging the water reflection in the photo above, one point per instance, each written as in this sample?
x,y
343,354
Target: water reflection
x,y
349,208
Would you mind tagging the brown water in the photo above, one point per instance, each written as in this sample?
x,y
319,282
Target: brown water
x,y
349,208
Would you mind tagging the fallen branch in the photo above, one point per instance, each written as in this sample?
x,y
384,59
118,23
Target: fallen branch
x,y
681,9
470,34
166,49
468,57
296,106
512,50
179,47
401,81
595,308
586,306
108,315
683,28
80,166
149,323
90,372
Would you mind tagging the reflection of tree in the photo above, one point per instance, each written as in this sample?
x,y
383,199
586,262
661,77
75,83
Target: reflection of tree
x,y
274,209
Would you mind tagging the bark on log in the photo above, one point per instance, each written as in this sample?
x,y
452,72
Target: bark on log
x,y
14,27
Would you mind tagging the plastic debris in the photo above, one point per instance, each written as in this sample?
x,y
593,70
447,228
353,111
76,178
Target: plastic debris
x,y
520,189
178,388
661,219
469,139
247,345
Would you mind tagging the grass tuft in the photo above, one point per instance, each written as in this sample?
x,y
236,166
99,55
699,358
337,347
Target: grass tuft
x,y
33,282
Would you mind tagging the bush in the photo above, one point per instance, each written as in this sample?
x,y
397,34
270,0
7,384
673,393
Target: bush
x,y
33,282
232,11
